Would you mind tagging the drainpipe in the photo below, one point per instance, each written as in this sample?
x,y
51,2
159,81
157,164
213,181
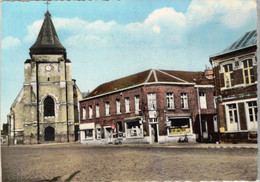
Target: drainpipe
x,y
201,138
66,88
13,121
37,104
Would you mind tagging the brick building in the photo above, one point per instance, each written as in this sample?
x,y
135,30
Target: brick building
x,y
151,106
235,71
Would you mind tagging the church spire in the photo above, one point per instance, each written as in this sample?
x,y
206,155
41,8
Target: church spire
x,y
47,41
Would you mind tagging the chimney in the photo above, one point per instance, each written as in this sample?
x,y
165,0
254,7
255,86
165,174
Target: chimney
x,y
209,74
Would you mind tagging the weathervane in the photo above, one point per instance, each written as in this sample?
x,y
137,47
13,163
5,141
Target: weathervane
x,y
47,3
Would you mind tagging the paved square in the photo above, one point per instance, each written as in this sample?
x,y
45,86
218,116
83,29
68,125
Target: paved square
x,y
76,162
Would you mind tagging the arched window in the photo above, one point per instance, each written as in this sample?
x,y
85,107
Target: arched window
x,y
49,107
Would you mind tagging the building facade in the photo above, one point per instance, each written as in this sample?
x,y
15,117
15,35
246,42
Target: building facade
x,y
235,71
46,109
154,106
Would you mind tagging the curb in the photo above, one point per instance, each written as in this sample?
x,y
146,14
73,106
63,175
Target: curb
x,y
231,147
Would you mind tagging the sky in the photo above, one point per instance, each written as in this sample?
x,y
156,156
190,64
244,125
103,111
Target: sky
x,y
107,40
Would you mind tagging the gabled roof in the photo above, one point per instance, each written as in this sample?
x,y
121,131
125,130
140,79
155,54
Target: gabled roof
x,y
247,40
152,77
47,41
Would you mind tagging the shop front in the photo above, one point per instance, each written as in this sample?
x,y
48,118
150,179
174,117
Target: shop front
x,y
178,127
87,132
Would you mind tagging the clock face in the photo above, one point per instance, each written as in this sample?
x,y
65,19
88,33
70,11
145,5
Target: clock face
x,y
48,68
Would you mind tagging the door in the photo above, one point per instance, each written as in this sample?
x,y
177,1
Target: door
x,y
205,130
154,133
49,134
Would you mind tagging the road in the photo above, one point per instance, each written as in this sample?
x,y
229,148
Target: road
x,y
76,162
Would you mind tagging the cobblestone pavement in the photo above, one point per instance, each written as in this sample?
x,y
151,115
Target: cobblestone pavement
x,y
76,162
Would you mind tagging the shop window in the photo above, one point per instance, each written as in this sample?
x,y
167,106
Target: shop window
x,y
137,104
252,115
203,101
228,75
49,109
232,117
184,101
97,111
107,109
169,100
151,98
248,71
179,126
83,113
127,105
134,129
89,134
90,112
118,106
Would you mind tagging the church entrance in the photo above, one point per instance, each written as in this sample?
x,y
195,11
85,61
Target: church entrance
x,y
49,134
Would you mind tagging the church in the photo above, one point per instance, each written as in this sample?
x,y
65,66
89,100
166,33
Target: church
x,y
46,109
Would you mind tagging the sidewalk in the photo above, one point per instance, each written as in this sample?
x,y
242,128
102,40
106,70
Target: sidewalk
x,y
212,145
194,145
165,145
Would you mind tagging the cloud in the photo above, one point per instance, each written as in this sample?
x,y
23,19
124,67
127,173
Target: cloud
x,y
232,13
10,42
33,31
164,27
166,15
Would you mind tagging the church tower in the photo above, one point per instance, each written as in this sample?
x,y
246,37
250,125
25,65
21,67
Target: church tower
x,y
46,109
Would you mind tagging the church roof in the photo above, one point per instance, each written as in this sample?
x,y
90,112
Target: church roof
x,y
47,41
247,40
152,77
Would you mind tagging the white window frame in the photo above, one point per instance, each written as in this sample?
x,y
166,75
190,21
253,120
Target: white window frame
x,y
232,125
170,100
84,112
118,106
127,105
184,101
203,100
251,125
151,101
107,109
90,112
97,111
137,104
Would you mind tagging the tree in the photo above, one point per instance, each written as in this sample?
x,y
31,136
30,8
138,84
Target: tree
x,y
5,129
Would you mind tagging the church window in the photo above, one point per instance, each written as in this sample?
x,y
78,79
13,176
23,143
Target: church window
x,y
49,107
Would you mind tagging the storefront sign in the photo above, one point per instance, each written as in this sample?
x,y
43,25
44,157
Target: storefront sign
x,y
152,114
113,126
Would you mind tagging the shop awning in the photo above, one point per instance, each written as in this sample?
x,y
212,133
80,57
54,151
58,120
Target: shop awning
x,y
188,115
133,119
87,126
